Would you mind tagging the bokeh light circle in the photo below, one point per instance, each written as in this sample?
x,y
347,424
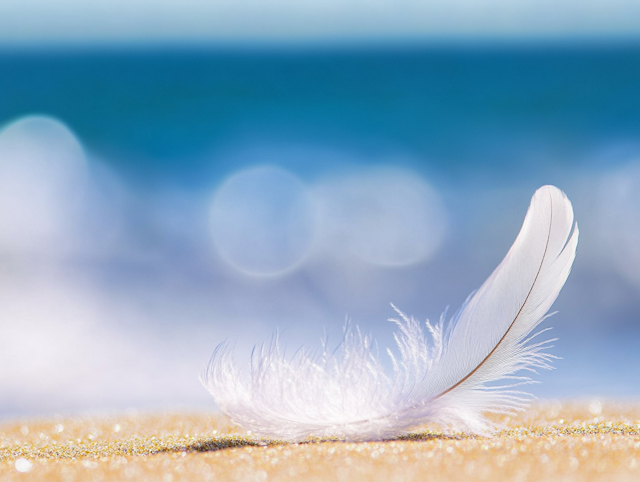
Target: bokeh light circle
x,y
619,219
386,217
263,221
43,176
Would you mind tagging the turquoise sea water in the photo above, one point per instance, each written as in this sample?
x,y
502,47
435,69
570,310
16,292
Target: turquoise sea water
x,y
459,111
127,304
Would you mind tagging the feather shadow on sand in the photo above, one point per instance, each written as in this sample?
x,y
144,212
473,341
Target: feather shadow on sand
x,y
445,374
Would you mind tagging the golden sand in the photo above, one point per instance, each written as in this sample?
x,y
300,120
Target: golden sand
x,y
550,442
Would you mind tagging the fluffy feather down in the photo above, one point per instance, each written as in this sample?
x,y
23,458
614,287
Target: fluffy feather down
x,y
445,376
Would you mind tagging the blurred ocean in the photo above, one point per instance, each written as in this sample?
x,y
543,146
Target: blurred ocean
x,y
154,203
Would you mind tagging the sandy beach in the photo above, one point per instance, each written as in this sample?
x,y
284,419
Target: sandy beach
x,y
553,441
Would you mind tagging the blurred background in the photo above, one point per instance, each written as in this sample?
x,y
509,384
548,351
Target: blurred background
x,y
177,174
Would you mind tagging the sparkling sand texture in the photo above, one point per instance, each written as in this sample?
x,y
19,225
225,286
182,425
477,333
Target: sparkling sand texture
x,y
552,441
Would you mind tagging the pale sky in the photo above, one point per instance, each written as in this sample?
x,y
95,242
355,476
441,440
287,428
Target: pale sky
x,y
151,21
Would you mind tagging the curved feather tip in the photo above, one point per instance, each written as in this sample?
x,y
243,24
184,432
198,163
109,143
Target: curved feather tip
x,y
444,374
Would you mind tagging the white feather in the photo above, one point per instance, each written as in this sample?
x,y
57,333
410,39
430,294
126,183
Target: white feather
x,y
442,375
